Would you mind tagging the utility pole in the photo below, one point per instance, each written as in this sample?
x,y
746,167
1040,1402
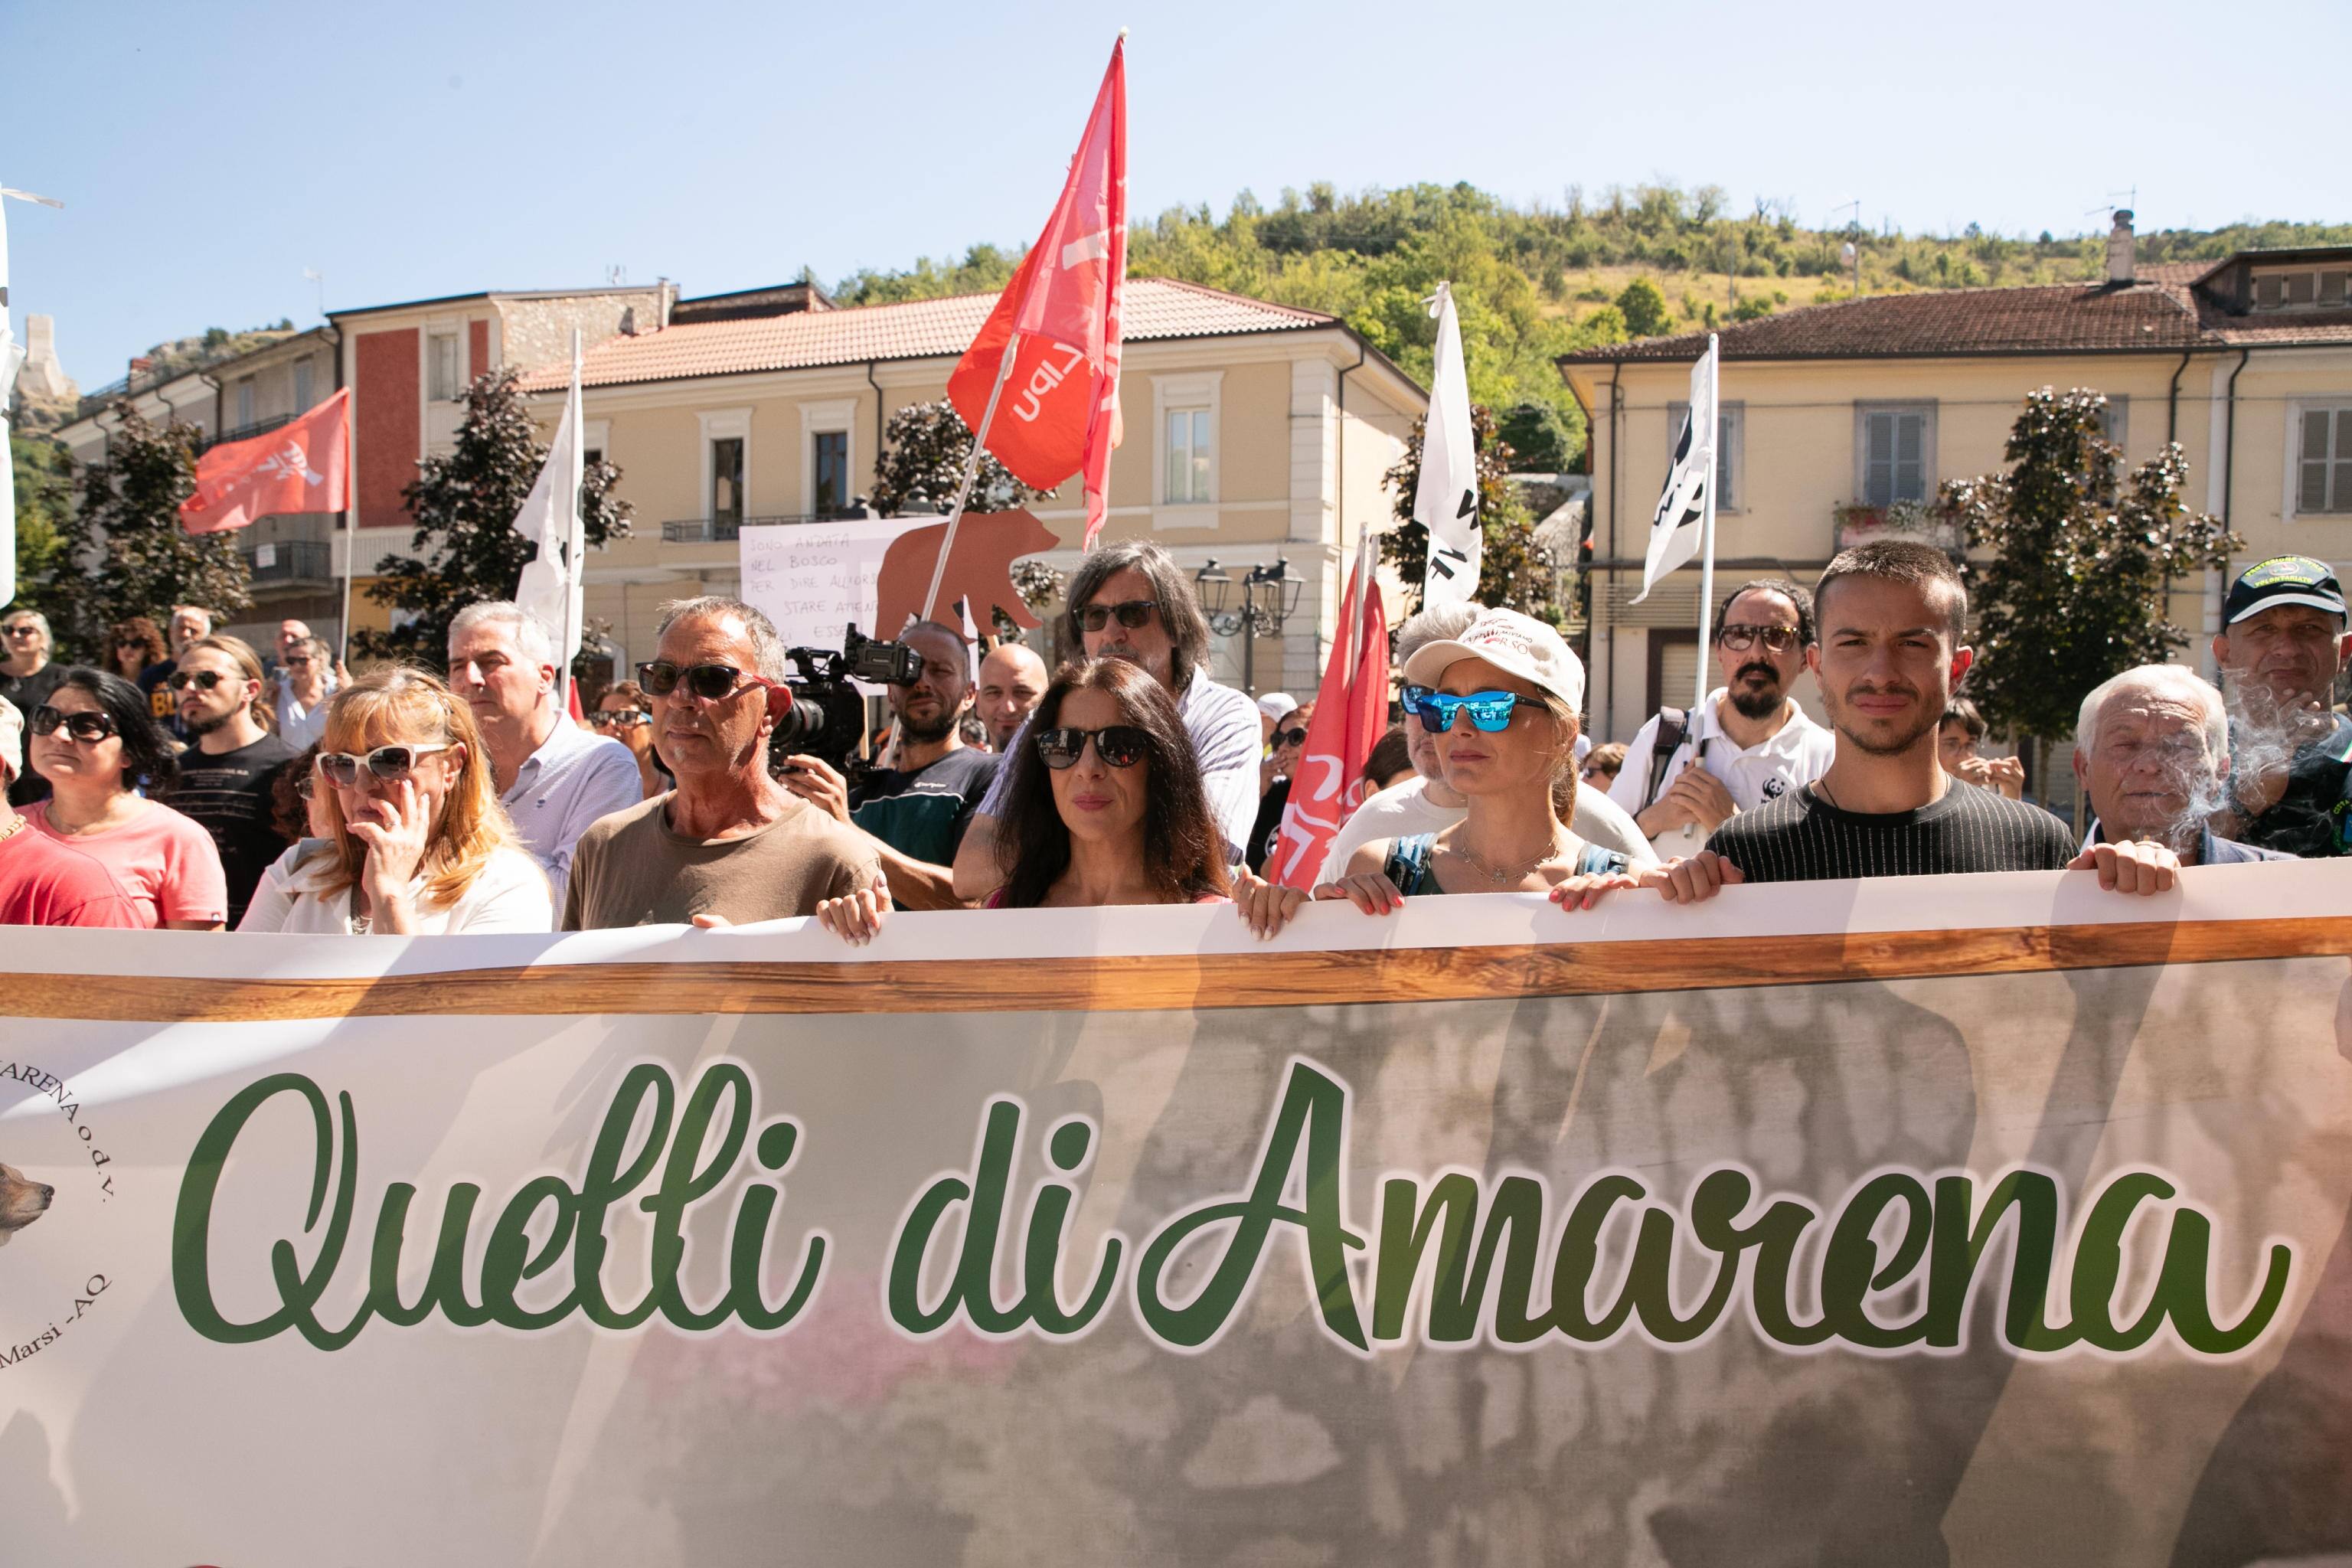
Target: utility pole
x,y
1852,254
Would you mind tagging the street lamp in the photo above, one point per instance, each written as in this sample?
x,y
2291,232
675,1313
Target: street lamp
x,y
1268,596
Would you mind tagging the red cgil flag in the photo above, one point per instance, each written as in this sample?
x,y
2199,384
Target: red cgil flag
x,y
304,466
1352,713
1058,413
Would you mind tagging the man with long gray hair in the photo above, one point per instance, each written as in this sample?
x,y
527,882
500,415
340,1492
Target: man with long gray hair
x,y
2152,751
730,845
553,777
1130,601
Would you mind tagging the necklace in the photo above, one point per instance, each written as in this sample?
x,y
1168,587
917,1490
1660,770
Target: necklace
x,y
13,828
1500,875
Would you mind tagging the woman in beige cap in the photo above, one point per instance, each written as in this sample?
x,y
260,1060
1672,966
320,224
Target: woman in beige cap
x,y
1501,702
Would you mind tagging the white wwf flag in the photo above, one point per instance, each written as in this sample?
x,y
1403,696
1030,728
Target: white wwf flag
x,y
1689,498
1446,501
550,587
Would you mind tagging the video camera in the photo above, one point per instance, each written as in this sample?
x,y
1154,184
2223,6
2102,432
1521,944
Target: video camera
x,y
826,718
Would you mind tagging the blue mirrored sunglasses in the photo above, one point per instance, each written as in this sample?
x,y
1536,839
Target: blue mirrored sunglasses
x,y
1489,710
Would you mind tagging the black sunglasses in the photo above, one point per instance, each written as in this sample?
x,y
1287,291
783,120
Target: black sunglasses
x,y
707,681
1133,613
619,718
1118,745
205,679
1289,738
1740,638
46,719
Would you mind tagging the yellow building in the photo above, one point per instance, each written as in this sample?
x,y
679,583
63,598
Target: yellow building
x,y
1832,413
1253,432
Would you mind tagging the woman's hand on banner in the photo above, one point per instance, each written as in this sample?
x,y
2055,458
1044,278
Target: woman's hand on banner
x,y
2132,867
1369,892
1582,891
1682,881
856,917
1266,906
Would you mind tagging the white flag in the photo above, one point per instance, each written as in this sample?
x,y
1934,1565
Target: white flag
x,y
1446,501
550,587
1689,495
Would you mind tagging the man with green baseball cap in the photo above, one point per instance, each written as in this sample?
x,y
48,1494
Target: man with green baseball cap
x,y
2282,645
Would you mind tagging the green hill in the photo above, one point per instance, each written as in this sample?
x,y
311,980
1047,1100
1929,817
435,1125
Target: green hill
x,y
1533,282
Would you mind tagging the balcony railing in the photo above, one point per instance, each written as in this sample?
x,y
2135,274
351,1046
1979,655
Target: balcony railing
x,y
246,431
725,530
290,561
1921,522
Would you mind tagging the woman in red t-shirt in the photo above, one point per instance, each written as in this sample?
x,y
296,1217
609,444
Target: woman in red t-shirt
x,y
96,745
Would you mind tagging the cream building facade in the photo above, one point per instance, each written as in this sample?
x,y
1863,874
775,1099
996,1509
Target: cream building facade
x,y
1833,413
1253,432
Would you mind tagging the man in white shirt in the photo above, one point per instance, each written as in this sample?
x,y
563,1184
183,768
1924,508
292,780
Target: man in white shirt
x,y
554,778
1427,803
1130,601
1751,741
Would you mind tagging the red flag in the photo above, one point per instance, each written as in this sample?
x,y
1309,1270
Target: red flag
x,y
1058,413
305,465
1352,713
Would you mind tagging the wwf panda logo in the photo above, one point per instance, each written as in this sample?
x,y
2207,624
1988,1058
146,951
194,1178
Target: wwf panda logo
x,y
1774,788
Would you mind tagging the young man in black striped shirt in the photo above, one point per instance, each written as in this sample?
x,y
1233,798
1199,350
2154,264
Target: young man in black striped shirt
x,y
1890,654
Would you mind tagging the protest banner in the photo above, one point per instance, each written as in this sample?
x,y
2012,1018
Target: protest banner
x,y
1989,1220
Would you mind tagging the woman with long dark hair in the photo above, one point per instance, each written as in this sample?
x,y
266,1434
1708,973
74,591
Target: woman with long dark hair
x,y
95,743
134,647
1105,806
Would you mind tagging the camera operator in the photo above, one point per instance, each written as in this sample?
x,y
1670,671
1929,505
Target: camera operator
x,y
730,845
916,811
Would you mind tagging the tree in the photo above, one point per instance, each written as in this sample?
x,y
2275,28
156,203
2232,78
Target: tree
x,y
466,547
1539,439
124,553
44,479
1643,305
924,448
2082,561
1511,574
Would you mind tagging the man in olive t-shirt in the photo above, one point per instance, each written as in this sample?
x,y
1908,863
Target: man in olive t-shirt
x,y
728,845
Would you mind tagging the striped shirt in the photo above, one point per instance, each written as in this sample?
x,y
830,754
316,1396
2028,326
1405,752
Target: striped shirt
x,y
1801,837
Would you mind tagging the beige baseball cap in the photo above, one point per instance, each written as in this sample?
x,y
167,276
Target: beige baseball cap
x,y
1517,644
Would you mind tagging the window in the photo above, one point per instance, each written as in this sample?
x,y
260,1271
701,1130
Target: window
x,y
2116,425
244,402
727,479
829,459
1731,420
1189,447
444,372
2291,290
1895,452
2324,458
304,377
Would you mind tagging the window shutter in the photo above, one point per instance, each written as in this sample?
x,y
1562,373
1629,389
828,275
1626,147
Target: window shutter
x,y
2298,287
1677,677
1910,472
2331,288
1879,487
2269,292
2340,497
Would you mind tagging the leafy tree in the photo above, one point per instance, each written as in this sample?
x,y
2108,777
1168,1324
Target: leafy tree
x,y
1539,439
123,551
44,481
1510,575
2082,557
466,547
924,448
1643,305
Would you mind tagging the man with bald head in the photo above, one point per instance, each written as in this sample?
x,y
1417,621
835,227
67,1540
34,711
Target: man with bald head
x,y
2152,751
1013,681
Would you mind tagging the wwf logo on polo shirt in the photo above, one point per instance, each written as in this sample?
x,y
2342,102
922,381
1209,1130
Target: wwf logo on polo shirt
x,y
1775,787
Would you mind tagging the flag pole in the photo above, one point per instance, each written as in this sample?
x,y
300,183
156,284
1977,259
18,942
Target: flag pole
x,y
963,490
574,542
1706,556
351,541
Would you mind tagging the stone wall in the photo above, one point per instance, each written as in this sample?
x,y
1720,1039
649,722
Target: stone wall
x,y
539,332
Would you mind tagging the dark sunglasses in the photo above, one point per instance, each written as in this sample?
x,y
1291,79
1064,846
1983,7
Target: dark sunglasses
x,y
386,763
619,718
1118,745
22,629
46,719
1489,710
1740,638
1289,738
707,681
1133,613
303,663
205,679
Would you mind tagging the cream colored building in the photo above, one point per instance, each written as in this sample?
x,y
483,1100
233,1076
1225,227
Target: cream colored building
x,y
1253,432
2246,362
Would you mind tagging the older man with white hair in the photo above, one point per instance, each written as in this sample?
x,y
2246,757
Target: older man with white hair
x,y
554,778
2152,751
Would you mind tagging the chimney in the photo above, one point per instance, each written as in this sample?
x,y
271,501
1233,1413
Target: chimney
x,y
2120,249
629,321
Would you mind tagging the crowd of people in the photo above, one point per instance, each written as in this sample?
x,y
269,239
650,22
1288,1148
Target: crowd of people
x,y
188,781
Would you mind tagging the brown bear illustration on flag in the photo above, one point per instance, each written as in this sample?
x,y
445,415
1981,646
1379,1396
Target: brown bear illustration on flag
x,y
979,572
21,1201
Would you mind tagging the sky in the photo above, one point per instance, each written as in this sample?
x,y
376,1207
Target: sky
x,y
208,155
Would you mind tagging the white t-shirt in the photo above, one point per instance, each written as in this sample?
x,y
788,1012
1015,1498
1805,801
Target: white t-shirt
x,y
1226,740
1404,809
510,894
1797,753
